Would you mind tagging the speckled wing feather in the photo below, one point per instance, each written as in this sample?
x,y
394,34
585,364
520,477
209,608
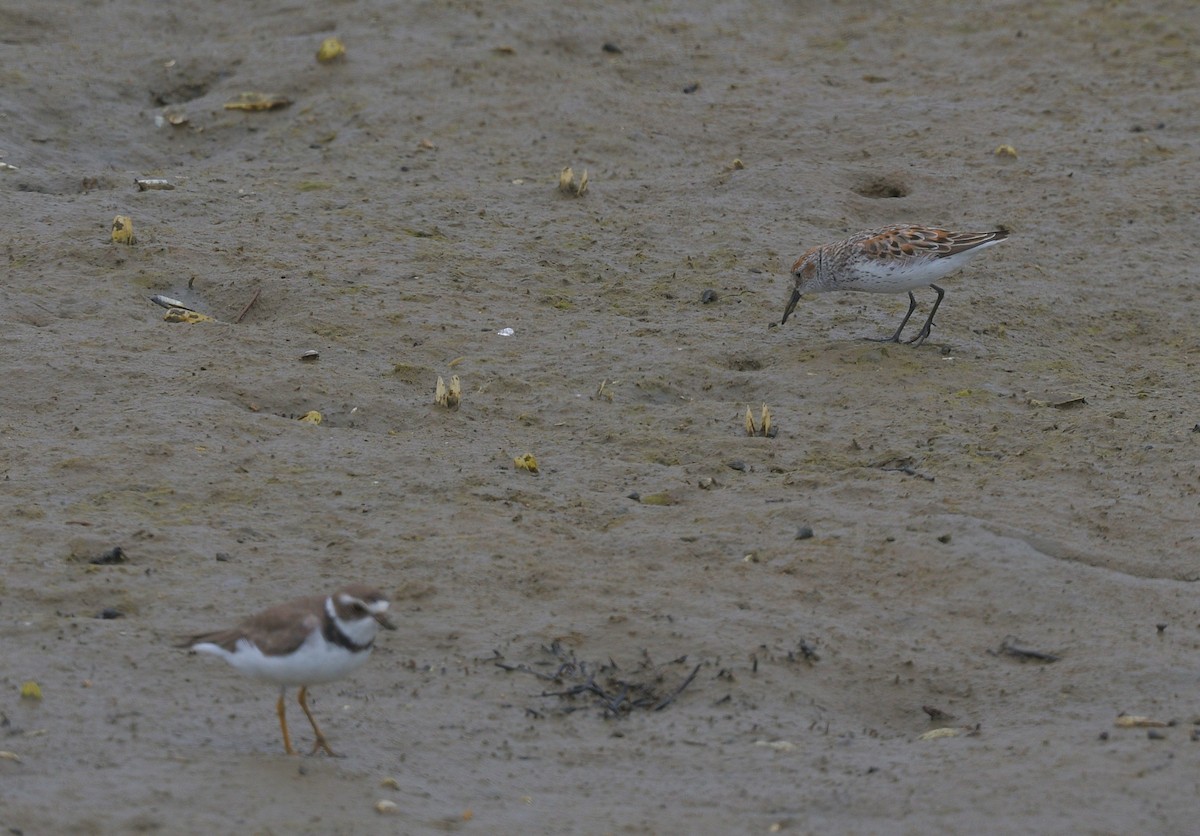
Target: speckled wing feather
x,y
903,242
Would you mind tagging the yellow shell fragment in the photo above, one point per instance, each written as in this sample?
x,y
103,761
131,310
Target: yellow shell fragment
x,y
331,49
763,427
9,756
384,807
1005,151
311,417
31,690
567,184
390,784
122,230
184,315
448,396
257,101
935,734
526,462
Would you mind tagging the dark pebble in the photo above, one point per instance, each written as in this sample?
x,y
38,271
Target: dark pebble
x,y
708,296
804,532
738,464
635,496
1160,627
945,538
114,555
1155,734
108,613
223,557
609,46
1104,735
691,88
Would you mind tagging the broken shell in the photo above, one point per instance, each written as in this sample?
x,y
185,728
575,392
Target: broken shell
x,y
448,396
310,355
257,101
331,49
384,807
311,417
390,784
935,734
9,756
1005,151
153,184
122,230
751,429
567,184
1136,721
168,302
184,315
526,462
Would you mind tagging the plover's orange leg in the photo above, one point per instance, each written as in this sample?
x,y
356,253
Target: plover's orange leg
x,y
320,743
287,740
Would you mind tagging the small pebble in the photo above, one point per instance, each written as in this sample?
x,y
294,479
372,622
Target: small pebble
x,y
804,532
945,538
114,555
1160,627
738,464
1155,734
108,613
708,296
634,495
609,46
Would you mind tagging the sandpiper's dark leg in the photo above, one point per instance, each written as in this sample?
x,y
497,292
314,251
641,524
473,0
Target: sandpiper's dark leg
x,y
320,742
895,338
287,740
920,337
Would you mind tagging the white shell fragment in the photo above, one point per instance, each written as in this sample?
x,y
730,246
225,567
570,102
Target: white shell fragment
x,y
506,332
153,184
310,355
168,302
384,807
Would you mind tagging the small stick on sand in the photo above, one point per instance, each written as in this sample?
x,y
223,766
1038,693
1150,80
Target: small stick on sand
x,y
253,299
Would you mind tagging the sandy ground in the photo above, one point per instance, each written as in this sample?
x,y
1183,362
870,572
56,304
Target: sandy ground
x,y
400,213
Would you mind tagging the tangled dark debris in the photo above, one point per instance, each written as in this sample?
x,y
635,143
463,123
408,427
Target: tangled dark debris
x,y
647,686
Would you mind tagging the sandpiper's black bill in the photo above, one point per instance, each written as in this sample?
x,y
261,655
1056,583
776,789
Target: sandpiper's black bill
x,y
791,305
384,621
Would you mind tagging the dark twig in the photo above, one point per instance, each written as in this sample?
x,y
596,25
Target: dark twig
x,y
671,697
1010,648
253,299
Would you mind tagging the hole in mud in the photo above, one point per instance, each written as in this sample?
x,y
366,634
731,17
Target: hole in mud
x,y
744,364
881,187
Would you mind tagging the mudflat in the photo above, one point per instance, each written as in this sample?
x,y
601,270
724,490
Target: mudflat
x,y
922,604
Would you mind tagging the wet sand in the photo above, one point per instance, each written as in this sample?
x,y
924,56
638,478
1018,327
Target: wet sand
x,y
1028,477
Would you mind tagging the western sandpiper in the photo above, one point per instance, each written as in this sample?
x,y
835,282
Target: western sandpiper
x,y
893,259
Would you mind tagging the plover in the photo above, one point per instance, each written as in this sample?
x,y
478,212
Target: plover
x,y
302,643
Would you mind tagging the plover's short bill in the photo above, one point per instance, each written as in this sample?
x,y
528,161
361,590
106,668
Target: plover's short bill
x,y
302,643
894,259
